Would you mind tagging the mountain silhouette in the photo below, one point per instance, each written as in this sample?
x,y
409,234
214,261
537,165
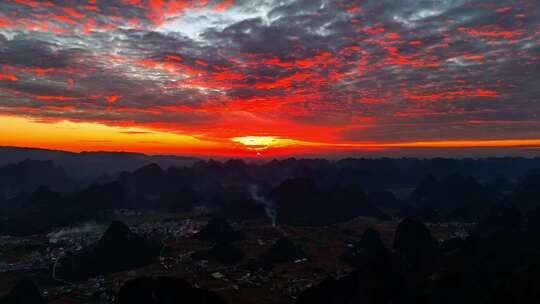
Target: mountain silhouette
x,y
282,251
44,209
218,230
119,249
242,210
38,213
457,197
164,290
301,202
527,193
502,216
91,165
368,251
224,253
19,180
25,292
415,247
370,287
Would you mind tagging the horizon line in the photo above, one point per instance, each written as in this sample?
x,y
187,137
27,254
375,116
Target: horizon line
x,y
300,155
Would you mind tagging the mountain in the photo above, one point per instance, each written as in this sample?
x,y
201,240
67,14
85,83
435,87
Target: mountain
x,y
522,287
224,253
90,165
242,210
218,230
456,196
119,249
300,201
368,251
25,292
164,290
527,194
384,199
35,214
357,287
151,187
415,247
374,280
45,209
21,178
501,217
282,251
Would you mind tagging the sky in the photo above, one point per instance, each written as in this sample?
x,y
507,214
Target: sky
x,y
271,77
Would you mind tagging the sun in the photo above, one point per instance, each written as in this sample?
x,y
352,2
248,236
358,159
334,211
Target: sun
x,y
260,143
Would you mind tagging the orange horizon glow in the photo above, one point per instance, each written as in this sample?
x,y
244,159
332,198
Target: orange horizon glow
x,y
84,136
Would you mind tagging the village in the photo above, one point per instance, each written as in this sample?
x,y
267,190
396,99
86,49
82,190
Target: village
x,y
41,253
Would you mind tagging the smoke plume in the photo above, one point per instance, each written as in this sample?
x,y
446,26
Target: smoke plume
x,y
269,206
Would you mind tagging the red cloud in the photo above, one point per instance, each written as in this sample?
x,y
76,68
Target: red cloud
x,y
11,77
223,5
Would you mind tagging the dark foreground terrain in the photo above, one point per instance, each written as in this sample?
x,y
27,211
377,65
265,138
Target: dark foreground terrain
x,y
179,230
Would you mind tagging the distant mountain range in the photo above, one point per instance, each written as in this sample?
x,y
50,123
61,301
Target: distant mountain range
x,y
42,189
90,165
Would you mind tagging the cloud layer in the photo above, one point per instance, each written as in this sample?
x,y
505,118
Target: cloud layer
x,y
310,70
